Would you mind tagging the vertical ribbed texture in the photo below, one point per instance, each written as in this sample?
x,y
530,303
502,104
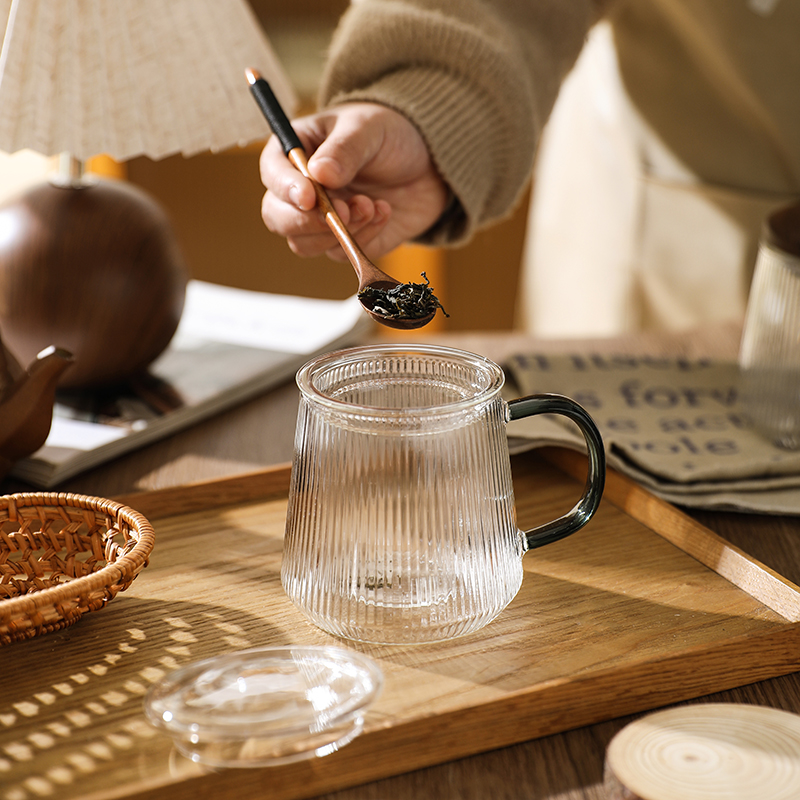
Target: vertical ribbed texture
x,y
401,529
770,352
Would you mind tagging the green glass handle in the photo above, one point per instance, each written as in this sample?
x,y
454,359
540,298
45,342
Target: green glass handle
x,y
584,509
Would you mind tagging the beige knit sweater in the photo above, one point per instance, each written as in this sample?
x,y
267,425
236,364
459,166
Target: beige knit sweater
x,y
717,79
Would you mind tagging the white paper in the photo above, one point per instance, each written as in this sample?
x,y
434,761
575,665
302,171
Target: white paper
x,y
267,321
79,435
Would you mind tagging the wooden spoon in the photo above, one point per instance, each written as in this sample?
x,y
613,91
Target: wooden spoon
x,y
369,276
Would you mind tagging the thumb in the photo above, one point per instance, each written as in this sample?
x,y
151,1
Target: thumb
x,y
350,145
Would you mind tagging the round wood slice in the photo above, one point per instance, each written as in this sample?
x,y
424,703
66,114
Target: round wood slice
x,y
706,752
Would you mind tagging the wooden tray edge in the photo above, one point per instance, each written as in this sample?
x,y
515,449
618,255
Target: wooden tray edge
x,y
750,575
203,495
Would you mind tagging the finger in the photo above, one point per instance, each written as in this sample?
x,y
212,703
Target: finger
x,y
280,176
357,215
356,212
315,245
306,232
349,146
286,219
371,236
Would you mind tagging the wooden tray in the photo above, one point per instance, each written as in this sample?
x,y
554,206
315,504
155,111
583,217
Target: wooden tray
x,y
641,608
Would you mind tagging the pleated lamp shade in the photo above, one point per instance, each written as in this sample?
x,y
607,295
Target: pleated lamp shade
x,y
132,77
92,266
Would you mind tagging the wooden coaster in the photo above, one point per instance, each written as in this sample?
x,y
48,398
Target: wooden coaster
x,y
706,752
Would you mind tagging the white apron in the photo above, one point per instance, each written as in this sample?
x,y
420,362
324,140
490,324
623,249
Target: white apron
x,y
621,236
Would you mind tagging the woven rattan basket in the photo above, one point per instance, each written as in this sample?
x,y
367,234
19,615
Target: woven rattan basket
x,y
63,555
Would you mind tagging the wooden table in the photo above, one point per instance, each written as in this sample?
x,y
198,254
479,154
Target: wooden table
x,y
566,766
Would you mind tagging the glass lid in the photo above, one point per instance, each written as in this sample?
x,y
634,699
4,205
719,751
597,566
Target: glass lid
x,y
265,706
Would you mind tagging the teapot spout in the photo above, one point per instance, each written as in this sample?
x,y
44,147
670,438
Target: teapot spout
x,y
26,406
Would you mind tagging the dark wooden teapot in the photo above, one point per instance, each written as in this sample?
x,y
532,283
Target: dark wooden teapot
x,y
93,266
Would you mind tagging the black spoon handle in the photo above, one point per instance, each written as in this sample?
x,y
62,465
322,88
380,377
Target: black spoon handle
x,y
272,110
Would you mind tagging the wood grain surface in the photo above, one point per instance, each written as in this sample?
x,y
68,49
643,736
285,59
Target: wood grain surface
x,y
614,620
705,751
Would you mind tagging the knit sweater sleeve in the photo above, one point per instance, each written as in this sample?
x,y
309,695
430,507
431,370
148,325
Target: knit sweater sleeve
x,y
477,77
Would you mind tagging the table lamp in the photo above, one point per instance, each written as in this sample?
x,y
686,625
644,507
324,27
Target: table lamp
x,y
91,265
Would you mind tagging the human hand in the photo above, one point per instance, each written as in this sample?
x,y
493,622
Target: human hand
x,y
377,170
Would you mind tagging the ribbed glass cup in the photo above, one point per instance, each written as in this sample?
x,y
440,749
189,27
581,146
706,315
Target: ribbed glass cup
x,y
401,524
769,357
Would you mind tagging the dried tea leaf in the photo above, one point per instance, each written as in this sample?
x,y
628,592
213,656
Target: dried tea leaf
x,y
406,301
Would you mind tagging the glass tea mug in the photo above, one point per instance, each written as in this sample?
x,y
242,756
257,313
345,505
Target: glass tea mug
x,y
769,354
401,523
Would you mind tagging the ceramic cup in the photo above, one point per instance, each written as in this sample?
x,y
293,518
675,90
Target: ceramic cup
x,y
769,356
401,523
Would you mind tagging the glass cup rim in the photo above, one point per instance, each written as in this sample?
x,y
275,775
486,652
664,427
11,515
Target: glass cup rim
x,y
789,260
316,366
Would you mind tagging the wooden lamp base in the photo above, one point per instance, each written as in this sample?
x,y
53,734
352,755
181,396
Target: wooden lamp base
x,y
92,267
706,752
